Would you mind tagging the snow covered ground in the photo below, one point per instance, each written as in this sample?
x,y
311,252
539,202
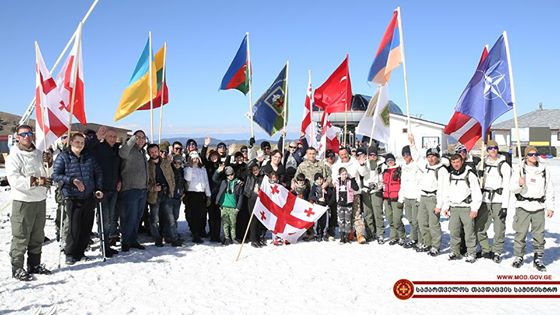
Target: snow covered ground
x,y
304,278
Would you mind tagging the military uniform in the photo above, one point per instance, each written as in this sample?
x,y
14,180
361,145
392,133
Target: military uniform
x,y
372,197
409,196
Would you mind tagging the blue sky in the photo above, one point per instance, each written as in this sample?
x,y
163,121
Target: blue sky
x,y
443,41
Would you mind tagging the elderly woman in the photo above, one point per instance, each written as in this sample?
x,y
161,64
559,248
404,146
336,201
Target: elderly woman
x,y
198,195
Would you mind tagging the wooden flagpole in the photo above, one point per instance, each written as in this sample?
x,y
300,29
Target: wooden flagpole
x,y
506,42
404,67
74,76
249,74
162,92
31,105
346,110
151,89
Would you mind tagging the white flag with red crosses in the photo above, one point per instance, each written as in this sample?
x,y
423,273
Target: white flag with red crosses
x,y
283,213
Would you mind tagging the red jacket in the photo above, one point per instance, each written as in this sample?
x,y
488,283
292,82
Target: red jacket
x,y
391,183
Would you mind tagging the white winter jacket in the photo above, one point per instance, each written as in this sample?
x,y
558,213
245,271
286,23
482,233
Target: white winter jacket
x,y
410,181
463,190
20,166
538,184
433,178
497,175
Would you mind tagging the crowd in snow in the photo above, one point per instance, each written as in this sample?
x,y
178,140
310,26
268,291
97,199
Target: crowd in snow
x,y
136,186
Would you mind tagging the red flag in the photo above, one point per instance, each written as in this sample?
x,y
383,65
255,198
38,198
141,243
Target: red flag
x,y
335,95
67,84
51,115
329,139
464,128
307,125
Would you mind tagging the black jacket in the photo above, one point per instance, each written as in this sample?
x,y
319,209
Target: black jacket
x,y
110,162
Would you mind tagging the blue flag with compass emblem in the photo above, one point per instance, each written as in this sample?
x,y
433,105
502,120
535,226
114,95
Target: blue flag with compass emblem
x,y
269,109
488,94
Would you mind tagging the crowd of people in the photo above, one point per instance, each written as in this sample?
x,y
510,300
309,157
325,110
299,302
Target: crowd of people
x,y
139,186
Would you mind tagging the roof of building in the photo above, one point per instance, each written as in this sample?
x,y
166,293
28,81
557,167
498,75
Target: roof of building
x,y
360,103
549,118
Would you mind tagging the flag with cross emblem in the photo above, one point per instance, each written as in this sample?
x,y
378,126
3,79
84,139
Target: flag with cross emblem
x,y
283,213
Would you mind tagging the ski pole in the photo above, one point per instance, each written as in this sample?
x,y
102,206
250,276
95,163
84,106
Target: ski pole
x,y
60,231
100,225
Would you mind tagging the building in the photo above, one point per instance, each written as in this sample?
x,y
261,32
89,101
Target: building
x,y
539,128
427,133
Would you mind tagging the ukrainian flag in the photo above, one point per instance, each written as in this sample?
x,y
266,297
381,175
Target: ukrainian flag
x,y
138,91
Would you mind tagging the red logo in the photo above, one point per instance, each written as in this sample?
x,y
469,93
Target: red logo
x,y
403,289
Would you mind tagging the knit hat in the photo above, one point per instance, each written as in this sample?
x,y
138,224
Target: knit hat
x,y
492,143
191,141
460,148
389,157
317,176
372,149
329,153
361,150
406,150
194,155
229,170
265,144
164,146
177,158
221,144
528,149
432,151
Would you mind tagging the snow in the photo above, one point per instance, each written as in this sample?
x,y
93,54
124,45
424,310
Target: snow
x,y
310,278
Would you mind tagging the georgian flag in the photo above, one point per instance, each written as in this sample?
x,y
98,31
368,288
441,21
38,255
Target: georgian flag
x,y
51,115
283,213
329,139
308,127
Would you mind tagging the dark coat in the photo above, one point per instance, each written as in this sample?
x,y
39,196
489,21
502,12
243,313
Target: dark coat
x,y
68,167
110,162
237,191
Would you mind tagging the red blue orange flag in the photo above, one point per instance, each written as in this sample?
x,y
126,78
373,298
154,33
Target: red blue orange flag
x,y
389,54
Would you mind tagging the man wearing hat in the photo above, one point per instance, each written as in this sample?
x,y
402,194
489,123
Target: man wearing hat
x,y
432,191
229,200
191,146
495,197
373,196
393,208
328,162
409,195
534,194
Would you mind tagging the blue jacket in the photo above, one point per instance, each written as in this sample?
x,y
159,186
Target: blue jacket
x,y
68,167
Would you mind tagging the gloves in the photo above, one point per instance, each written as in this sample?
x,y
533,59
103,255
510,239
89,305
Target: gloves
x,y
502,214
33,181
208,202
251,141
45,182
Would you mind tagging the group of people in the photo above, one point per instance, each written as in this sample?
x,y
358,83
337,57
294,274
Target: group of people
x,y
364,191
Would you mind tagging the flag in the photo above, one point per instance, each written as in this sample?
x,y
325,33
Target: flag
x,y
389,54
159,64
308,127
488,94
268,111
335,95
238,76
138,91
329,139
465,128
283,213
377,117
67,84
51,116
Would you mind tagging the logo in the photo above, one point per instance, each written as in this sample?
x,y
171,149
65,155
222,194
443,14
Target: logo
x,y
403,289
494,83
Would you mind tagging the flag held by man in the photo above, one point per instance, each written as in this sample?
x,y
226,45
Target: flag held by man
x,y
308,127
329,136
268,111
389,54
283,213
162,91
335,94
238,74
488,93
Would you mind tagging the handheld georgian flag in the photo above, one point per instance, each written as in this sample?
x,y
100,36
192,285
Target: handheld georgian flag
x,y
335,94
51,115
488,94
283,213
269,109
465,128
376,117
329,136
389,54
162,91
238,74
68,84
308,127
138,91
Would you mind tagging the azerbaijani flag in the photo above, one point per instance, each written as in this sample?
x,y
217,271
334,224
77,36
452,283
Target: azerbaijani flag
x,y
159,64
138,91
389,53
238,76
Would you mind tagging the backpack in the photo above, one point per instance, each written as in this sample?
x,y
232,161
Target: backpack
x,y
466,179
435,170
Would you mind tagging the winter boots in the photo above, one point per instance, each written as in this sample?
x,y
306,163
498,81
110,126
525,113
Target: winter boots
x,y
361,239
538,262
517,262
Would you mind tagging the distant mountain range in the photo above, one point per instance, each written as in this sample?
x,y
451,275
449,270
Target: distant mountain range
x,y
215,141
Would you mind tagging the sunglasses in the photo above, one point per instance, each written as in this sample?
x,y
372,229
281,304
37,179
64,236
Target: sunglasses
x,y
26,134
532,154
64,137
372,154
293,147
492,148
177,149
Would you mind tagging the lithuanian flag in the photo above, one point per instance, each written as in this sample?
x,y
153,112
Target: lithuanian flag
x,y
159,64
138,91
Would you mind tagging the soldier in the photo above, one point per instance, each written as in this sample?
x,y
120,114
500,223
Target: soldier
x,y
409,195
496,179
393,208
461,204
432,191
29,184
373,197
533,190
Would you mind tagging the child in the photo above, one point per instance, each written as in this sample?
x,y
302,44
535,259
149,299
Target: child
x,y
345,190
321,197
229,200
301,188
273,179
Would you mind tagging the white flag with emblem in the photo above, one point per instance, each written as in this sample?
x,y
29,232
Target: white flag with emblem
x,y
376,117
283,213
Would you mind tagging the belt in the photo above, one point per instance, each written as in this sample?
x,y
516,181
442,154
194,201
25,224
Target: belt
x,y
521,198
493,192
430,193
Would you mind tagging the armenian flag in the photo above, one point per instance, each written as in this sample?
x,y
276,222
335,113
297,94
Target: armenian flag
x,y
389,54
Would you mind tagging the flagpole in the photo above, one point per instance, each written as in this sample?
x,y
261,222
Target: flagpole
x,y
404,67
31,105
162,92
513,101
285,109
151,89
249,70
74,76
482,149
244,236
374,120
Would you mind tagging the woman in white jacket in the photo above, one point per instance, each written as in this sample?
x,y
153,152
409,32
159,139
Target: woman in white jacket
x,y
198,196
